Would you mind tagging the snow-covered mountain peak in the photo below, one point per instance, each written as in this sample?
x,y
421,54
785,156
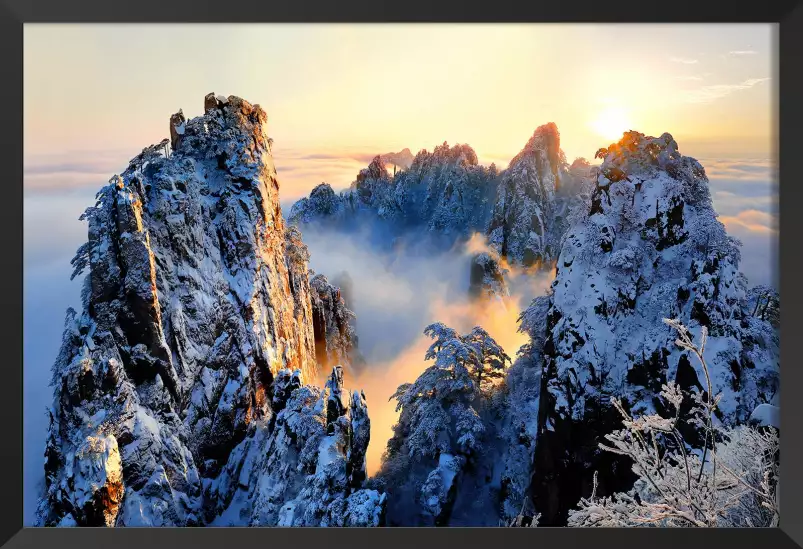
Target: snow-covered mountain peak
x,y
525,227
197,304
545,138
639,155
456,154
650,247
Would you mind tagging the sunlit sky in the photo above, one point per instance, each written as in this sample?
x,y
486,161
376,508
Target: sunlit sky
x,y
353,90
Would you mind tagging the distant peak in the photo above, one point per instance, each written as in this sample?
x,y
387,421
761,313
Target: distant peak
x,y
322,190
550,128
402,159
459,153
375,170
545,138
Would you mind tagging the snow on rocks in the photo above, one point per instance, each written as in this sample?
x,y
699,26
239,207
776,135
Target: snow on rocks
x,y
487,278
321,203
307,471
97,479
520,224
649,248
197,330
767,415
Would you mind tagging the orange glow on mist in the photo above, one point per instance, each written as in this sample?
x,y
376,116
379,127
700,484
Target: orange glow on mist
x,y
380,381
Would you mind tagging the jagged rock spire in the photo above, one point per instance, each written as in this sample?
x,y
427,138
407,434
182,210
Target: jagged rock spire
x,y
194,342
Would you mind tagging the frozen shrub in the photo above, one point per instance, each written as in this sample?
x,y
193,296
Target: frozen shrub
x,y
732,482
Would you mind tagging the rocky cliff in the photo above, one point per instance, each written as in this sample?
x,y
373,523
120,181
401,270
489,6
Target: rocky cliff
x,y
445,197
307,468
650,247
521,223
442,197
487,277
335,336
196,343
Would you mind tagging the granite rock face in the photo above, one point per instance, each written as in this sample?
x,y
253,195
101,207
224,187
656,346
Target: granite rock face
x,y
197,297
335,336
650,247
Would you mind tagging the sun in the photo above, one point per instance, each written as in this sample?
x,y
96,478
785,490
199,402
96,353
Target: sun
x,y
611,123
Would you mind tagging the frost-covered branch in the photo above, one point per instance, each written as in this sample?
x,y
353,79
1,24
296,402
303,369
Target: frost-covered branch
x,y
735,481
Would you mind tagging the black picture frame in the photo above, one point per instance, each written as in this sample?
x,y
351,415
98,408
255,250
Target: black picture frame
x,y
788,14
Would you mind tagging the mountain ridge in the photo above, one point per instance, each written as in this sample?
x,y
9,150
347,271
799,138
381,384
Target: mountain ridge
x,y
191,390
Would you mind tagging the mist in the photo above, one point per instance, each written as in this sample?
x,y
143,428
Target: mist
x,y
396,292
52,233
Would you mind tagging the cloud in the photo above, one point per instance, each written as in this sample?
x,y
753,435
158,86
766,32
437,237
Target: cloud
x,y
51,228
297,177
321,156
51,234
82,168
707,94
729,203
761,169
739,186
742,52
745,195
395,295
683,60
758,232
393,289
748,189
339,156
751,220
70,170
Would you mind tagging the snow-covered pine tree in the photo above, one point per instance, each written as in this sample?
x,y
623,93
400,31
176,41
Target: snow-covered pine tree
x,y
440,428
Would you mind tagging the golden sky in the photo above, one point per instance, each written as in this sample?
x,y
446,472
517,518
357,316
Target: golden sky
x,y
350,90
